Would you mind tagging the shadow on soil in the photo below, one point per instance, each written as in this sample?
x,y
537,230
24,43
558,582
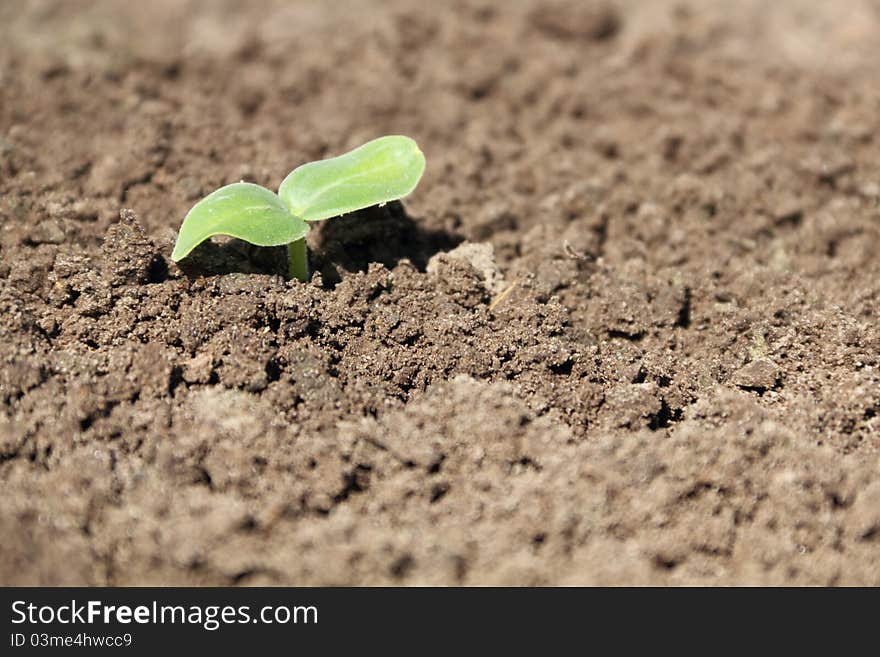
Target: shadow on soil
x,y
379,234
345,244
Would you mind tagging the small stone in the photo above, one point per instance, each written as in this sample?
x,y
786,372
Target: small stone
x,y
633,405
760,374
198,369
459,279
481,256
48,232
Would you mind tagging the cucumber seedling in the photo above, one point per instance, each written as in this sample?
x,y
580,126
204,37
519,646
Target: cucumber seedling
x,y
382,170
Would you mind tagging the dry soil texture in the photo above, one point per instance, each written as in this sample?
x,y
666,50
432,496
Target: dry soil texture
x,y
624,332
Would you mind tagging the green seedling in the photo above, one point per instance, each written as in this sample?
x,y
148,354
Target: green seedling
x,y
382,170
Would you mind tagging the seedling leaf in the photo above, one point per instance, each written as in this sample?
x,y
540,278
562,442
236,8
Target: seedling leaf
x,y
381,170
243,210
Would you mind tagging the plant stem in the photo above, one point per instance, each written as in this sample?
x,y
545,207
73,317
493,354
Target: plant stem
x,y
298,259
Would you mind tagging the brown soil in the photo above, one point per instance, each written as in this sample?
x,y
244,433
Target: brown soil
x,y
624,332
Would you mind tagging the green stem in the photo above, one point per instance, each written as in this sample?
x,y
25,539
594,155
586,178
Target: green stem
x,y
298,259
